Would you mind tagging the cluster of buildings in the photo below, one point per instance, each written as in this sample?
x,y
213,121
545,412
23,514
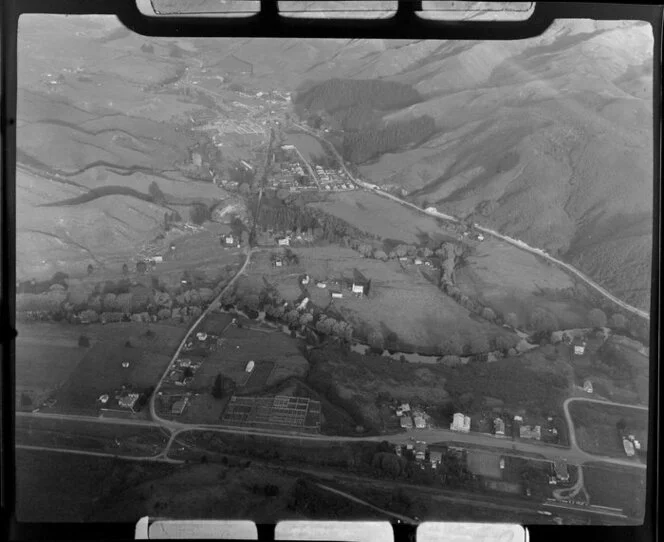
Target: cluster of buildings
x,y
421,452
124,399
412,418
338,288
533,432
631,445
333,180
559,472
183,371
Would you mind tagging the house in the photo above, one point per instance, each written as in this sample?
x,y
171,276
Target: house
x,y
229,240
401,410
179,406
321,285
420,422
397,449
336,294
358,289
158,259
420,450
403,259
560,470
418,261
628,446
588,386
278,262
305,280
480,237
502,463
201,335
499,427
436,458
526,431
303,304
406,422
128,401
579,346
249,367
460,423
284,242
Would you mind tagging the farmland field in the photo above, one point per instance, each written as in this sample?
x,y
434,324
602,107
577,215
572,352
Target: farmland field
x,y
97,369
400,301
380,216
596,430
509,280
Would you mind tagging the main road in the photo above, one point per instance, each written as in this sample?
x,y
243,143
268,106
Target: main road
x,y
488,231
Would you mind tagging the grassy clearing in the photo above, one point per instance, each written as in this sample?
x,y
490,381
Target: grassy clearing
x,y
379,216
510,280
596,430
615,486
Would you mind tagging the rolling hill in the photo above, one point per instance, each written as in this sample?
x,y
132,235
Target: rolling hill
x,y
546,139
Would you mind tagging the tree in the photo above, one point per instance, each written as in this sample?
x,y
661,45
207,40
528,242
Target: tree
x,y
376,340
543,320
125,269
618,321
217,390
478,343
25,400
188,372
128,344
90,269
84,341
511,319
156,194
141,267
366,250
199,213
453,344
488,314
597,318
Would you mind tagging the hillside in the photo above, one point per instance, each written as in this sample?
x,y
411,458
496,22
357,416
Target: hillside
x,y
546,139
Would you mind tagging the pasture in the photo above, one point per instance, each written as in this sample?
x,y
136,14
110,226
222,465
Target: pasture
x,y
380,216
509,279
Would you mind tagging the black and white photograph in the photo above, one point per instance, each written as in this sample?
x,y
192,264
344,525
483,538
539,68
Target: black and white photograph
x,y
289,278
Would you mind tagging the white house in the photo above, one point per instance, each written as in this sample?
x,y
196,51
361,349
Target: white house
x,y
480,237
230,240
402,409
337,295
460,423
358,288
305,280
249,367
284,242
157,259
303,305
579,347
321,285
278,263
418,261
201,335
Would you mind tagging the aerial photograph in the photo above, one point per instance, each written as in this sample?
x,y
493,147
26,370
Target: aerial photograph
x,y
333,279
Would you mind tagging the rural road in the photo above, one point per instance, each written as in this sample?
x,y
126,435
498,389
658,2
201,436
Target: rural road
x,y
213,305
96,419
572,431
159,458
514,242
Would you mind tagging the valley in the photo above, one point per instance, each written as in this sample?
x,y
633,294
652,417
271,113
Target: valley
x,y
412,265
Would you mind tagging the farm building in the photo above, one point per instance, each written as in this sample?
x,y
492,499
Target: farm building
x,y
420,423
560,470
250,366
158,259
278,262
406,422
460,423
418,261
358,289
499,427
588,386
201,335
229,240
579,346
179,406
283,242
321,285
526,431
336,294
